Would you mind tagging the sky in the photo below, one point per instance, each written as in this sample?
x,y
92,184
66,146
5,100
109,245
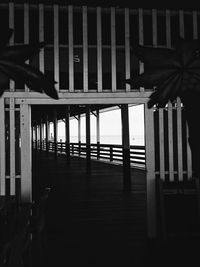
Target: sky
x,y
110,127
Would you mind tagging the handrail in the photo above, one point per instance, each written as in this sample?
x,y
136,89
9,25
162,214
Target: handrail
x,y
107,152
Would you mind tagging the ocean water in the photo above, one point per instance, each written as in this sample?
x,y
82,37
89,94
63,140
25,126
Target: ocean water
x,y
108,139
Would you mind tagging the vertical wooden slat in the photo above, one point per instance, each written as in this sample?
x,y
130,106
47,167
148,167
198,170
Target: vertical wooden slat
x,y
2,148
41,36
141,41
179,139
127,48
181,24
195,24
55,130
99,51
179,114
170,142
26,31
170,109
79,128
47,133
85,50
113,50
56,46
71,49
160,111
12,145
161,143
11,41
150,174
26,165
154,27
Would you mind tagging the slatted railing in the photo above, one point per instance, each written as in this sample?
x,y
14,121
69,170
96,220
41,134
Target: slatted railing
x,y
107,152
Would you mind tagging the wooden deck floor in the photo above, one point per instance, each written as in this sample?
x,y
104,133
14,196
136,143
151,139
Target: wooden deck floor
x,y
90,220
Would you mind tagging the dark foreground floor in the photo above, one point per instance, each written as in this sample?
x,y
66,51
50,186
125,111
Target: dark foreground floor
x,y
91,222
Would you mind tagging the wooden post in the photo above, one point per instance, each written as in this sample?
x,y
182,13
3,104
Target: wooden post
x,y
150,175
2,149
26,175
67,133
126,148
41,134
55,130
47,133
98,133
79,133
88,155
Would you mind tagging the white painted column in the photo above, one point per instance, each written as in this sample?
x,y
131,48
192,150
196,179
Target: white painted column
x,y
2,148
150,173
26,160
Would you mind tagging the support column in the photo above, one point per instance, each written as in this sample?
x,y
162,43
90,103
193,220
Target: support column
x,y
88,155
41,134
26,161
67,133
150,174
79,133
36,136
55,130
98,133
126,148
47,133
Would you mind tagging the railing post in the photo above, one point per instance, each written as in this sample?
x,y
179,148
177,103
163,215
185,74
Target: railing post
x,y
111,153
55,127
98,150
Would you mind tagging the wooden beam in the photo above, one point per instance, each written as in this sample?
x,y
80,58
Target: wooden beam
x,y
55,131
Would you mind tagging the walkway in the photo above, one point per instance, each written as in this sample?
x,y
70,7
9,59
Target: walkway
x,y
90,220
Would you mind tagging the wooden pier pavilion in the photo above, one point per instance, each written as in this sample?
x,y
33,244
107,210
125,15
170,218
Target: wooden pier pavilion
x,y
88,52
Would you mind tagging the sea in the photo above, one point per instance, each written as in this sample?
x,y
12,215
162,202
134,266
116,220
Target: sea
x,y
107,139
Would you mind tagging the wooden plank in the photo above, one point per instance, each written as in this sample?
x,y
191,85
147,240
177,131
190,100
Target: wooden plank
x,y
161,144
127,48
88,138
67,132
26,32
11,41
99,51
170,108
47,133
195,24
170,142
113,50
141,41
98,126
85,50
79,128
56,46
154,27
150,174
12,145
2,149
26,161
181,23
179,140
55,130
71,49
41,36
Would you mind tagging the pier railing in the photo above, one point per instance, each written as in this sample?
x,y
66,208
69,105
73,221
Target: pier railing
x,y
107,152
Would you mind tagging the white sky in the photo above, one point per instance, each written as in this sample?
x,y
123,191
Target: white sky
x,y
110,124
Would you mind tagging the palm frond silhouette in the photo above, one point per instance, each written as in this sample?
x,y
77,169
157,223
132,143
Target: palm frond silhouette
x,y
13,66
